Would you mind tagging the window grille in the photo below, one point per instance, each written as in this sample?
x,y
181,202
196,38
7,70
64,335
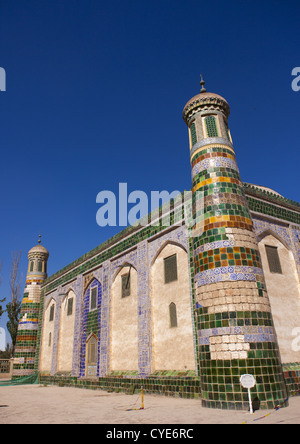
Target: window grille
x,y
126,285
70,307
273,259
211,126
173,315
93,298
51,317
170,269
193,134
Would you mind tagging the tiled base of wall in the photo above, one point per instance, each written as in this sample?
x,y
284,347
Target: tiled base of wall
x,y
291,374
177,384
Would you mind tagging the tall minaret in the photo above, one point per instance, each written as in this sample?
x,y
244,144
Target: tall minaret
x,y
24,357
235,330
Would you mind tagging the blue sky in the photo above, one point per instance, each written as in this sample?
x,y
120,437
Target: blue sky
x,y
95,92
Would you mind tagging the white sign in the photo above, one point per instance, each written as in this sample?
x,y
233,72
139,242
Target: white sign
x,y
248,382
2,339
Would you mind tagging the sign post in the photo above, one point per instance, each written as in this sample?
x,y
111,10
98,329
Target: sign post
x,y
248,382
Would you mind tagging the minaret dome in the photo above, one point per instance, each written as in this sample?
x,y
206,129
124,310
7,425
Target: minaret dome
x,y
206,116
37,257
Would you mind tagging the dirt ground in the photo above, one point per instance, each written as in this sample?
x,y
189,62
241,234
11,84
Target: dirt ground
x,y
35,404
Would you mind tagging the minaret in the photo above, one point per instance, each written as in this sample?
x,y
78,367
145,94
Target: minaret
x,y
235,330
24,357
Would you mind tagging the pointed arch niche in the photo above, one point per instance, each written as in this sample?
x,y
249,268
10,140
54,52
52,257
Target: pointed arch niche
x,y
66,333
91,326
172,330
124,320
48,335
283,290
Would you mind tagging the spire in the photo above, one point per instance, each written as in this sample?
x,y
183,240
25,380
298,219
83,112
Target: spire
x,y
39,241
202,83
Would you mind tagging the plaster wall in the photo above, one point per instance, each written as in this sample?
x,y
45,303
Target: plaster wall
x,y
124,324
66,335
46,349
172,346
284,294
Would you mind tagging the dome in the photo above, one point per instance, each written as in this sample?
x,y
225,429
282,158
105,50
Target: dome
x,y
262,188
39,249
206,101
203,96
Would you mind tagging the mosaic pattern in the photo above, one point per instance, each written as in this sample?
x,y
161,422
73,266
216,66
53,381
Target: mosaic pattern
x,y
105,321
227,256
227,274
234,335
210,163
144,312
77,288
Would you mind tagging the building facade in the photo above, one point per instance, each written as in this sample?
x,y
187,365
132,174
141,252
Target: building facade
x,y
180,311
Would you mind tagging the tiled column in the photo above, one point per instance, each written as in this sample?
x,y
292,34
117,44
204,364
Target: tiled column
x,y
104,366
58,300
78,289
144,311
27,342
234,322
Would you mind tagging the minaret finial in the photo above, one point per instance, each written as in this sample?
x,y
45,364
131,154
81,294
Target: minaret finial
x,y
202,83
40,236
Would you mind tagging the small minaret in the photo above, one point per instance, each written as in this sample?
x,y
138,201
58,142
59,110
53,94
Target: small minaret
x,y
234,324
24,356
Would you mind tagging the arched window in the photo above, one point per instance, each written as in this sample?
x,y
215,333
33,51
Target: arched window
x,y
173,315
70,307
51,316
126,285
92,350
273,259
211,126
31,266
93,298
91,357
49,340
40,266
170,267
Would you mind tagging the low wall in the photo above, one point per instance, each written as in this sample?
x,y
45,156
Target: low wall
x,y
6,366
180,386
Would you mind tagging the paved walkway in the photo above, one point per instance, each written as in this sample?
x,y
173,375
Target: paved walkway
x,y
34,404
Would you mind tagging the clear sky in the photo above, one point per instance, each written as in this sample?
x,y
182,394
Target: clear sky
x,y
95,92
